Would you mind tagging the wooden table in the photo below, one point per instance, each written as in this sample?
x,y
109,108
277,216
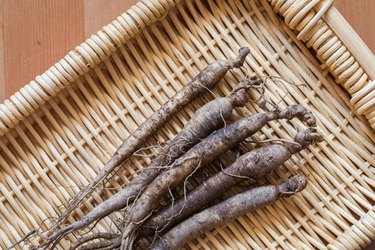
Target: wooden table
x,y
34,34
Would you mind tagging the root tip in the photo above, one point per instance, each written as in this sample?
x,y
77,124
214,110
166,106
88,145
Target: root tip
x,y
294,185
308,137
239,60
243,52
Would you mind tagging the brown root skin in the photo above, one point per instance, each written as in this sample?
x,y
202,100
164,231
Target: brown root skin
x,y
217,143
299,112
240,59
207,78
306,138
209,117
227,210
253,164
239,96
294,185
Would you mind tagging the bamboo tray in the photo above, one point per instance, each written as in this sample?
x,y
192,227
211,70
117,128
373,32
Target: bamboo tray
x,y
59,130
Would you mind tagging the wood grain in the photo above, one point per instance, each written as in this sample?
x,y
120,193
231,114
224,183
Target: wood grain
x,y
359,13
98,13
2,63
36,34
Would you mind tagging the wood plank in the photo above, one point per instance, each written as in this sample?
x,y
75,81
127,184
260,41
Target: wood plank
x,y
359,14
99,13
2,65
37,34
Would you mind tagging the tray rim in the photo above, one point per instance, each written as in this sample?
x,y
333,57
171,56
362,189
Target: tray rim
x,y
343,30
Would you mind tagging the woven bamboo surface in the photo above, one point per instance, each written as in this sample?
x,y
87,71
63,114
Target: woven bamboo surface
x,y
60,129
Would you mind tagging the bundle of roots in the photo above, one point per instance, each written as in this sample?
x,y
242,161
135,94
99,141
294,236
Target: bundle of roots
x,y
203,139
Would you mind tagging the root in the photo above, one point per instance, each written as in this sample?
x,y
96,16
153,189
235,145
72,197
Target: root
x,y
127,238
157,230
157,148
311,136
136,198
294,111
251,83
250,166
276,106
256,82
128,242
102,245
182,208
24,239
172,197
156,235
225,124
90,228
105,179
179,162
209,90
144,219
187,178
201,83
98,188
83,240
36,232
280,79
239,60
149,168
238,176
55,238
228,210
275,140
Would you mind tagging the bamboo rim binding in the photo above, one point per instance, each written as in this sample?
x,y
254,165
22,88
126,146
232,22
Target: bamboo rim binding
x,y
300,15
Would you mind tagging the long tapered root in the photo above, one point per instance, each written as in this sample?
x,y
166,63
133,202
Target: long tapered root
x,y
226,211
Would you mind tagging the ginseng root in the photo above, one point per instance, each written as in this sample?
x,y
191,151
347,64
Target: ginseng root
x,y
202,153
228,210
206,79
205,120
252,165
